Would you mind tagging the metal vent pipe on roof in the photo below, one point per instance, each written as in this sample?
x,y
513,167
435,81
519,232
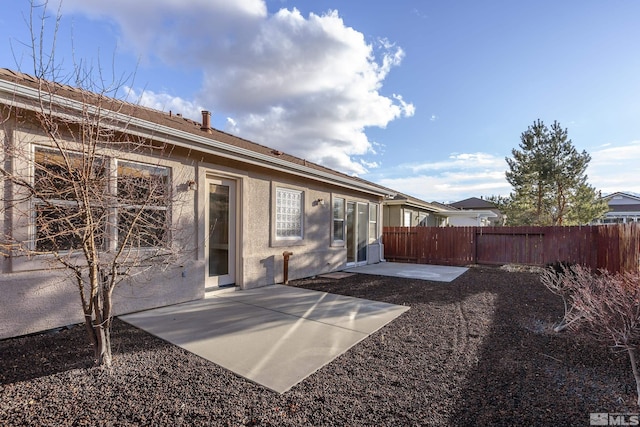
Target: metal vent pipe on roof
x,y
206,121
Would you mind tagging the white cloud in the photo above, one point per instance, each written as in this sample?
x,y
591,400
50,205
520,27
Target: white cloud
x,y
460,176
449,188
164,102
309,86
615,167
370,165
462,161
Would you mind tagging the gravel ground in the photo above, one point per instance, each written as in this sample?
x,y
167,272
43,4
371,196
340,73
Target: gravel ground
x,y
477,351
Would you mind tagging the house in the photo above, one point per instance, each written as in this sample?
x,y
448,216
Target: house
x,y
401,210
406,211
239,205
475,212
624,208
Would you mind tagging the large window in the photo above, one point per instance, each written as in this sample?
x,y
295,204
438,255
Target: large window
x,y
289,214
143,198
61,219
135,211
338,220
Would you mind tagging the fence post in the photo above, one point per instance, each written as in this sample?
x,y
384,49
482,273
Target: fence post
x,y
475,244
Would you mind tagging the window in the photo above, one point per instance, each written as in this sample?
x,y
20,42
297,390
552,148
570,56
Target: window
x,y
61,223
407,219
143,197
289,211
133,212
338,220
373,223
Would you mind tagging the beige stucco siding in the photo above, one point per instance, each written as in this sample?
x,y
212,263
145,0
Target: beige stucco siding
x,y
36,295
261,254
392,216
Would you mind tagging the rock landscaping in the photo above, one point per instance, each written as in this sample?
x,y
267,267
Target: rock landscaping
x,y
480,350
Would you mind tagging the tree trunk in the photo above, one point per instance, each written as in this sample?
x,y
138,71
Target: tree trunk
x,y
636,375
539,204
88,325
103,347
102,320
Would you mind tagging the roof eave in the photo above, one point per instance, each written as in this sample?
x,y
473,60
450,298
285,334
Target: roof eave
x,y
161,133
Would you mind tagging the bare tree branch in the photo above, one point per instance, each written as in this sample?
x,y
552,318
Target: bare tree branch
x,y
87,196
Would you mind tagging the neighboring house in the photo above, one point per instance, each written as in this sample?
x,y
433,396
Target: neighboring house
x,y
406,211
623,208
475,211
329,220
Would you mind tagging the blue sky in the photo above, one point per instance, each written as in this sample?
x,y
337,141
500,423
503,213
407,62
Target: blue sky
x,y
426,97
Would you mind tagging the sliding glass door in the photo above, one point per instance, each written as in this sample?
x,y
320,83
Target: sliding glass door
x,y
357,229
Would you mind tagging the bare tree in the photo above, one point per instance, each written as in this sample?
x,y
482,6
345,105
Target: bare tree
x,y
89,197
607,306
561,280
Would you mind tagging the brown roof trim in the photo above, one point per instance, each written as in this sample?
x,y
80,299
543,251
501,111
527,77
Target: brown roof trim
x,y
187,127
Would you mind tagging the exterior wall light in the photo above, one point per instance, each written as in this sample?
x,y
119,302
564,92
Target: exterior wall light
x,y
191,184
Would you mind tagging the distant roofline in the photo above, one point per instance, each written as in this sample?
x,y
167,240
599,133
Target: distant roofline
x,y
621,193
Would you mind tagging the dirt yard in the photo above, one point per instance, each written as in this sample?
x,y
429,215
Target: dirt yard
x,y
477,351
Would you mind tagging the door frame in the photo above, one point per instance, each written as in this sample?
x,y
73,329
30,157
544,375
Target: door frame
x,y
234,219
352,244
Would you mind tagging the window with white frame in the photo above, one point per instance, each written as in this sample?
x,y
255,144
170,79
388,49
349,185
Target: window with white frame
x,y
407,219
135,211
338,220
289,214
373,223
61,222
143,197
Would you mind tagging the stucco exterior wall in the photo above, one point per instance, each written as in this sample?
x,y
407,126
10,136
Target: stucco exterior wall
x,y
34,301
36,296
395,213
392,216
262,258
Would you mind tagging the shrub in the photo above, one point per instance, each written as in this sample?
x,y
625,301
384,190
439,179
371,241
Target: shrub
x,y
605,305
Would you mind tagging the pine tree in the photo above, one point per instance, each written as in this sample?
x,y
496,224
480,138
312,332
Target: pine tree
x,y
549,180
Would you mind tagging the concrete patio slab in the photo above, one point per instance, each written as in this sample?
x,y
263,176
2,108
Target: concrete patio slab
x,y
351,313
275,336
336,275
437,273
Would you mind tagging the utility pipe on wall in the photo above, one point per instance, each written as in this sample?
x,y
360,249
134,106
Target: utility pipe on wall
x,y
285,272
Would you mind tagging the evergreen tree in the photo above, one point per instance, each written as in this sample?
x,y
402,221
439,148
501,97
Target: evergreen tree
x,y
549,180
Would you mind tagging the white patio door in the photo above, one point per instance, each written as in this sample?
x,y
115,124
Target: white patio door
x,y
220,223
357,229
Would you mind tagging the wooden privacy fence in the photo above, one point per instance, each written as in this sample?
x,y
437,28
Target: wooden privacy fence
x,y
611,247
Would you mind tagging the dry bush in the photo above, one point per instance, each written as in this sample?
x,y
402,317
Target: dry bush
x,y
605,305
